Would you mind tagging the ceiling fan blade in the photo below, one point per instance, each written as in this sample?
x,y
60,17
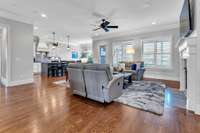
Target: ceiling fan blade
x,y
113,26
96,29
106,23
106,30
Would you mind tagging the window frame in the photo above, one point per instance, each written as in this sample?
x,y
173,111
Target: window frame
x,y
123,55
155,53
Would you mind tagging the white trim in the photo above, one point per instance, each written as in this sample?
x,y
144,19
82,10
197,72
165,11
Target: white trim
x,y
3,25
20,82
17,17
197,111
4,81
190,105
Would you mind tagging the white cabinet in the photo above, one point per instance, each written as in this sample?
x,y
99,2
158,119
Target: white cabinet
x,y
36,68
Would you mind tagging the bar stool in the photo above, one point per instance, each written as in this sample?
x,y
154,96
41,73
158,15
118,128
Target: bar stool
x,y
54,69
59,69
64,67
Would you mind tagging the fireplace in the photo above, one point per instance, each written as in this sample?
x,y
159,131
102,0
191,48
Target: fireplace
x,y
189,72
184,54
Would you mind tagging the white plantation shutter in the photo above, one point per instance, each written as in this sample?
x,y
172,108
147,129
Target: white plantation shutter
x,y
157,54
119,53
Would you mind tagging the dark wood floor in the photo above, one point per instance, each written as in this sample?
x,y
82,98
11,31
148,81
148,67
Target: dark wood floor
x,y
44,107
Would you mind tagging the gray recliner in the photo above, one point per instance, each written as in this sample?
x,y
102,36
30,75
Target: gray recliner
x,y
76,79
101,85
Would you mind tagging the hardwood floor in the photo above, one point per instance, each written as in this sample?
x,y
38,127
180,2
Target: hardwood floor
x,y
169,83
44,107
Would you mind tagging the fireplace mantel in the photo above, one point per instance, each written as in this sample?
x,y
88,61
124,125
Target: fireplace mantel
x,y
190,50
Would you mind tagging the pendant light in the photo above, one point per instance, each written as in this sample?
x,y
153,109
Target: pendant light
x,y
68,47
54,43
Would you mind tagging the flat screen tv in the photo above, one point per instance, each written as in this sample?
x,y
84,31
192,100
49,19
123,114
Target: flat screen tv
x,y
186,19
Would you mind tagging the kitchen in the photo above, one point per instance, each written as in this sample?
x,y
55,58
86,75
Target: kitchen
x,y
52,59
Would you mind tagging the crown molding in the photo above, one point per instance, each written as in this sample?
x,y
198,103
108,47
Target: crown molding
x,y
15,16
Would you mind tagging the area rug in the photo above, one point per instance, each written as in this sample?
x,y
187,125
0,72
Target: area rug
x,y
144,95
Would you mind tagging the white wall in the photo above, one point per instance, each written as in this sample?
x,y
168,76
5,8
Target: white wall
x,y
169,74
20,52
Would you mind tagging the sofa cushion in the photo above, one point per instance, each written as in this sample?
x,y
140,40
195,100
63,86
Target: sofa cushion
x,y
76,65
134,67
100,67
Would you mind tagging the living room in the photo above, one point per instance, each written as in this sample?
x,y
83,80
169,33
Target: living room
x,y
74,66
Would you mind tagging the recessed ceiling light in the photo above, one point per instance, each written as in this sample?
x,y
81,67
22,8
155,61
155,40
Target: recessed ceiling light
x,y
36,28
43,15
146,5
153,23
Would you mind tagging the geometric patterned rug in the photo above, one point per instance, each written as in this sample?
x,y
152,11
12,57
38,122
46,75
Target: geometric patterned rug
x,y
145,95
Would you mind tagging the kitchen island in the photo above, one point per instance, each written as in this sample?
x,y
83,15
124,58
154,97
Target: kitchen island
x,y
54,69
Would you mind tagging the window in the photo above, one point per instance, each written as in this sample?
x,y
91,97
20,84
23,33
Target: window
x,y
74,55
120,53
157,54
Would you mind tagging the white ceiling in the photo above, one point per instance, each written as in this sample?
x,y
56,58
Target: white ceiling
x,y
74,17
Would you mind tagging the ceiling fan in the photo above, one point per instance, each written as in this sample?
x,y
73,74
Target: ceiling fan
x,y
105,26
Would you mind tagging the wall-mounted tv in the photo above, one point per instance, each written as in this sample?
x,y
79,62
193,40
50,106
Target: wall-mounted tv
x,y
186,19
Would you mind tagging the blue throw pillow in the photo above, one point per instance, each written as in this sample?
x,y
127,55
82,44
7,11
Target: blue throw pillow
x,y
133,66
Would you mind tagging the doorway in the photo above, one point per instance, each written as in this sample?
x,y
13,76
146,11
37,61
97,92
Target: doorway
x,y
102,55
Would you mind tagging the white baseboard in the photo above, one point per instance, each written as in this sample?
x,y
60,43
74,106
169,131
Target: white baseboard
x,y
189,105
197,111
20,82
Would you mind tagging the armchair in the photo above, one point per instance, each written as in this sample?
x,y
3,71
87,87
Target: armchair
x,y
136,68
101,85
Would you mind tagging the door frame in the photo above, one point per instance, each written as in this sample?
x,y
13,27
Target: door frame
x,y
6,28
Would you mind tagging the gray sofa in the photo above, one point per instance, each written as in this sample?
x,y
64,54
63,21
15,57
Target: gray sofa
x,y
95,81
